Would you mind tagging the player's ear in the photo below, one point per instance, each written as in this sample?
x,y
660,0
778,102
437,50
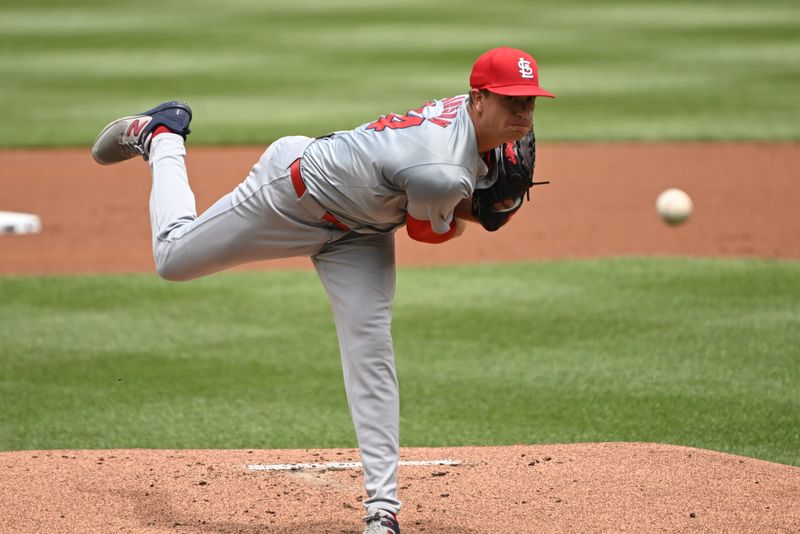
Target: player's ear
x,y
477,97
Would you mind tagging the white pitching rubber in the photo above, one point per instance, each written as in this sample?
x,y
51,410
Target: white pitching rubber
x,y
342,465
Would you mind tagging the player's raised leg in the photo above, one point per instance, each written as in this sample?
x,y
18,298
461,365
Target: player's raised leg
x,y
261,219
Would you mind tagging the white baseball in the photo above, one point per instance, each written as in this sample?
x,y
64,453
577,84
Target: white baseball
x,y
674,206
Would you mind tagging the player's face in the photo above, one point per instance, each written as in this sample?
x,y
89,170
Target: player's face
x,y
512,115
500,118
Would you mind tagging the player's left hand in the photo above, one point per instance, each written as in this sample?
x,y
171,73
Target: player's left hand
x,y
513,162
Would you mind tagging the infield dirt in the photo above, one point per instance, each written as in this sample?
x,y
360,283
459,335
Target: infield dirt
x,y
601,202
605,487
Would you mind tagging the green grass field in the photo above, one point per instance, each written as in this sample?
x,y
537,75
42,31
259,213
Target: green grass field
x,y
255,70
692,352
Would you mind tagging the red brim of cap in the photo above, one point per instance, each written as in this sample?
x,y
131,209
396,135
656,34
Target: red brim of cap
x,y
520,90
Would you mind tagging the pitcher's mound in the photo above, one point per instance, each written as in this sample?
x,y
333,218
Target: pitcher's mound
x,y
607,487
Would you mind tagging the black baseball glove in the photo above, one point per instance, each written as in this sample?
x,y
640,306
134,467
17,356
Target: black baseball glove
x,y
513,162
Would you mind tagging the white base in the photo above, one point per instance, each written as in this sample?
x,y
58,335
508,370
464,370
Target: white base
x,y
19,223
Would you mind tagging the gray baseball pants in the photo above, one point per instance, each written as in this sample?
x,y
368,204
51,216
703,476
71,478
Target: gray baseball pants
x,y
263,219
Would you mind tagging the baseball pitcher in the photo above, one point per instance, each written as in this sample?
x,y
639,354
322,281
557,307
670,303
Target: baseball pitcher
x,y
339,199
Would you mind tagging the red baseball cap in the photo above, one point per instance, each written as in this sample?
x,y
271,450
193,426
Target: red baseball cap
x,y
507,71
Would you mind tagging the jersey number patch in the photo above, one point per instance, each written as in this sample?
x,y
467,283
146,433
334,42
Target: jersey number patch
x,y
415,117
395,122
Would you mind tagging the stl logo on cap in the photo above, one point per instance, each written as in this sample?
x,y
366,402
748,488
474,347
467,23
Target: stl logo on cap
x,y
507,71
525,69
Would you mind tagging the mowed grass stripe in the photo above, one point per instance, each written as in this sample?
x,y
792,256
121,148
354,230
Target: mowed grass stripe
x,y
257,70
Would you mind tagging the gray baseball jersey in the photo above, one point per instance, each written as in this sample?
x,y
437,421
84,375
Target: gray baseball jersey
x,y
422,163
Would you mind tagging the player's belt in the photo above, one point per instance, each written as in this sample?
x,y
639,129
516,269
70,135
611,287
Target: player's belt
x,y
300,189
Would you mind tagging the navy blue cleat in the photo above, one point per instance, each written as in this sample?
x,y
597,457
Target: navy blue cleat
x,y
129,137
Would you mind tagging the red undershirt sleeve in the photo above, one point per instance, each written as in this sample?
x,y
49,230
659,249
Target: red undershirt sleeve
x,y
420,230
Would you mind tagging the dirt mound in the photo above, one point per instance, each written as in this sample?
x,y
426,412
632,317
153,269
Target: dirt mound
x,y
607,487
